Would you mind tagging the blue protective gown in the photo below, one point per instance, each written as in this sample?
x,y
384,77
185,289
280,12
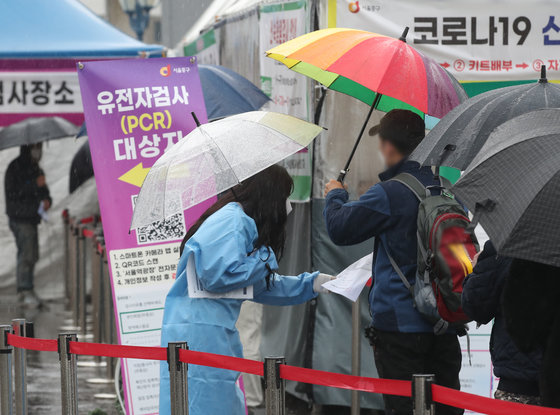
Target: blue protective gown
x,y
224,260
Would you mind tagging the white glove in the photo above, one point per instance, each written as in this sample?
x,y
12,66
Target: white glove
x,y
319,281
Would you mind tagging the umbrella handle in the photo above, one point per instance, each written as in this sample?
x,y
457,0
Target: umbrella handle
x,y
344,171
195,119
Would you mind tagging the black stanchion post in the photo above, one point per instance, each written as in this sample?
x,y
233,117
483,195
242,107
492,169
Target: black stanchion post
x,y
108,315
177,379
68,374
6,397
74,273
422,402
19,328
96,292
66,225
82,277
274,386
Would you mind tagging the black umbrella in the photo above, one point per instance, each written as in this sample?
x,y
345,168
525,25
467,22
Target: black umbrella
x,y
459,136
513,187
36,130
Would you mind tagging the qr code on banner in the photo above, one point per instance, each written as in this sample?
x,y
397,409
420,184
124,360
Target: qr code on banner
x,y
170,229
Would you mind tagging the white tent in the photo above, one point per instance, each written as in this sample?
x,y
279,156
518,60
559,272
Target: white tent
x,y
216,11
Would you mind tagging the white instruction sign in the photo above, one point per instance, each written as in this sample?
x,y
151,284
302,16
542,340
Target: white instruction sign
x,y
142,277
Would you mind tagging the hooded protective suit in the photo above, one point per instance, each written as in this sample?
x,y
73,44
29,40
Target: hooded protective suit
x,y
224,260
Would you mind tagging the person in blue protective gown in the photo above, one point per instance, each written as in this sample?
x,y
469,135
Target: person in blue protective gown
x,y
229,256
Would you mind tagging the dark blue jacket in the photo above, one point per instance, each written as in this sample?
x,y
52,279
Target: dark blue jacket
x,y
387,211
482,301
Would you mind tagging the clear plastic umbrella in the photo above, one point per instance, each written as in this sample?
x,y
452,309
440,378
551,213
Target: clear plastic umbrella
x,y
215,157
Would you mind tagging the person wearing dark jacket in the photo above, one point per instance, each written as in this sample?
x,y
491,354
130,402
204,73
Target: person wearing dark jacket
x,y
404,342
27,195
532,319
482,301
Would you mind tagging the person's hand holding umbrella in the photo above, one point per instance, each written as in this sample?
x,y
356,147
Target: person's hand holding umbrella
x,y
333,184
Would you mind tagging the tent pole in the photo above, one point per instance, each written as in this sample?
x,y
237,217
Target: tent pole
x,y
344,171
356,354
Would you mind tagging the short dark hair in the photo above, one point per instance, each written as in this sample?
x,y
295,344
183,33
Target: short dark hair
x,y
402,128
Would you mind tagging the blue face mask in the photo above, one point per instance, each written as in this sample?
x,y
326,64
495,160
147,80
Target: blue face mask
x,y
288,206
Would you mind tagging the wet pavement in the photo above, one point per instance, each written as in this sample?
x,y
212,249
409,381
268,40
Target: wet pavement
x,y
43,370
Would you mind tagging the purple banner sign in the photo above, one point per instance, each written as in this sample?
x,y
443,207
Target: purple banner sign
x,y
136,110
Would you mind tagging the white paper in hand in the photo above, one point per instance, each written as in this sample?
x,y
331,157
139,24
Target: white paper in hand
x,y
42,212
352,280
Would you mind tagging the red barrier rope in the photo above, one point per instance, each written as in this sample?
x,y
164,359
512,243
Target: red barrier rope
x,y
88,233
116,350
219,361
440,394
28,343
338,380
485,405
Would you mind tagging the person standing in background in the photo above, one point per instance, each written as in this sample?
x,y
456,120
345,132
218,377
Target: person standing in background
x,y
27,200
482,301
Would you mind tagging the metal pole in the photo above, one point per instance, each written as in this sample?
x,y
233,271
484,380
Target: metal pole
x,y
68,374
96,292
82,277
107,316
422,402
356,354
74,273
6,399
66,254
178,379
20,368
274,387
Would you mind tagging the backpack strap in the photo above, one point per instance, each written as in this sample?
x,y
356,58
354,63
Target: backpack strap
x,y
421,192
400,274
414,185
444,183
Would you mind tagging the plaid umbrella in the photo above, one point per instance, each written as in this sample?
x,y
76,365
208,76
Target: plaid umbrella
x,y
459,136
513,187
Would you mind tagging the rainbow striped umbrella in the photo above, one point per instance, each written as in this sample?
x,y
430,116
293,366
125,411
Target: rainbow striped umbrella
x,y
383,72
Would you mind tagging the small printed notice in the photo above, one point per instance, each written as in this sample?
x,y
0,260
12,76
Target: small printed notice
x,y
196,290
144,265
350,282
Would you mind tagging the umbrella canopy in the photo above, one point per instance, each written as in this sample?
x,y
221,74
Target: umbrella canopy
x,y
458,138
82,132
228,93
36,130
513,187
215,157
383,72
365,65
